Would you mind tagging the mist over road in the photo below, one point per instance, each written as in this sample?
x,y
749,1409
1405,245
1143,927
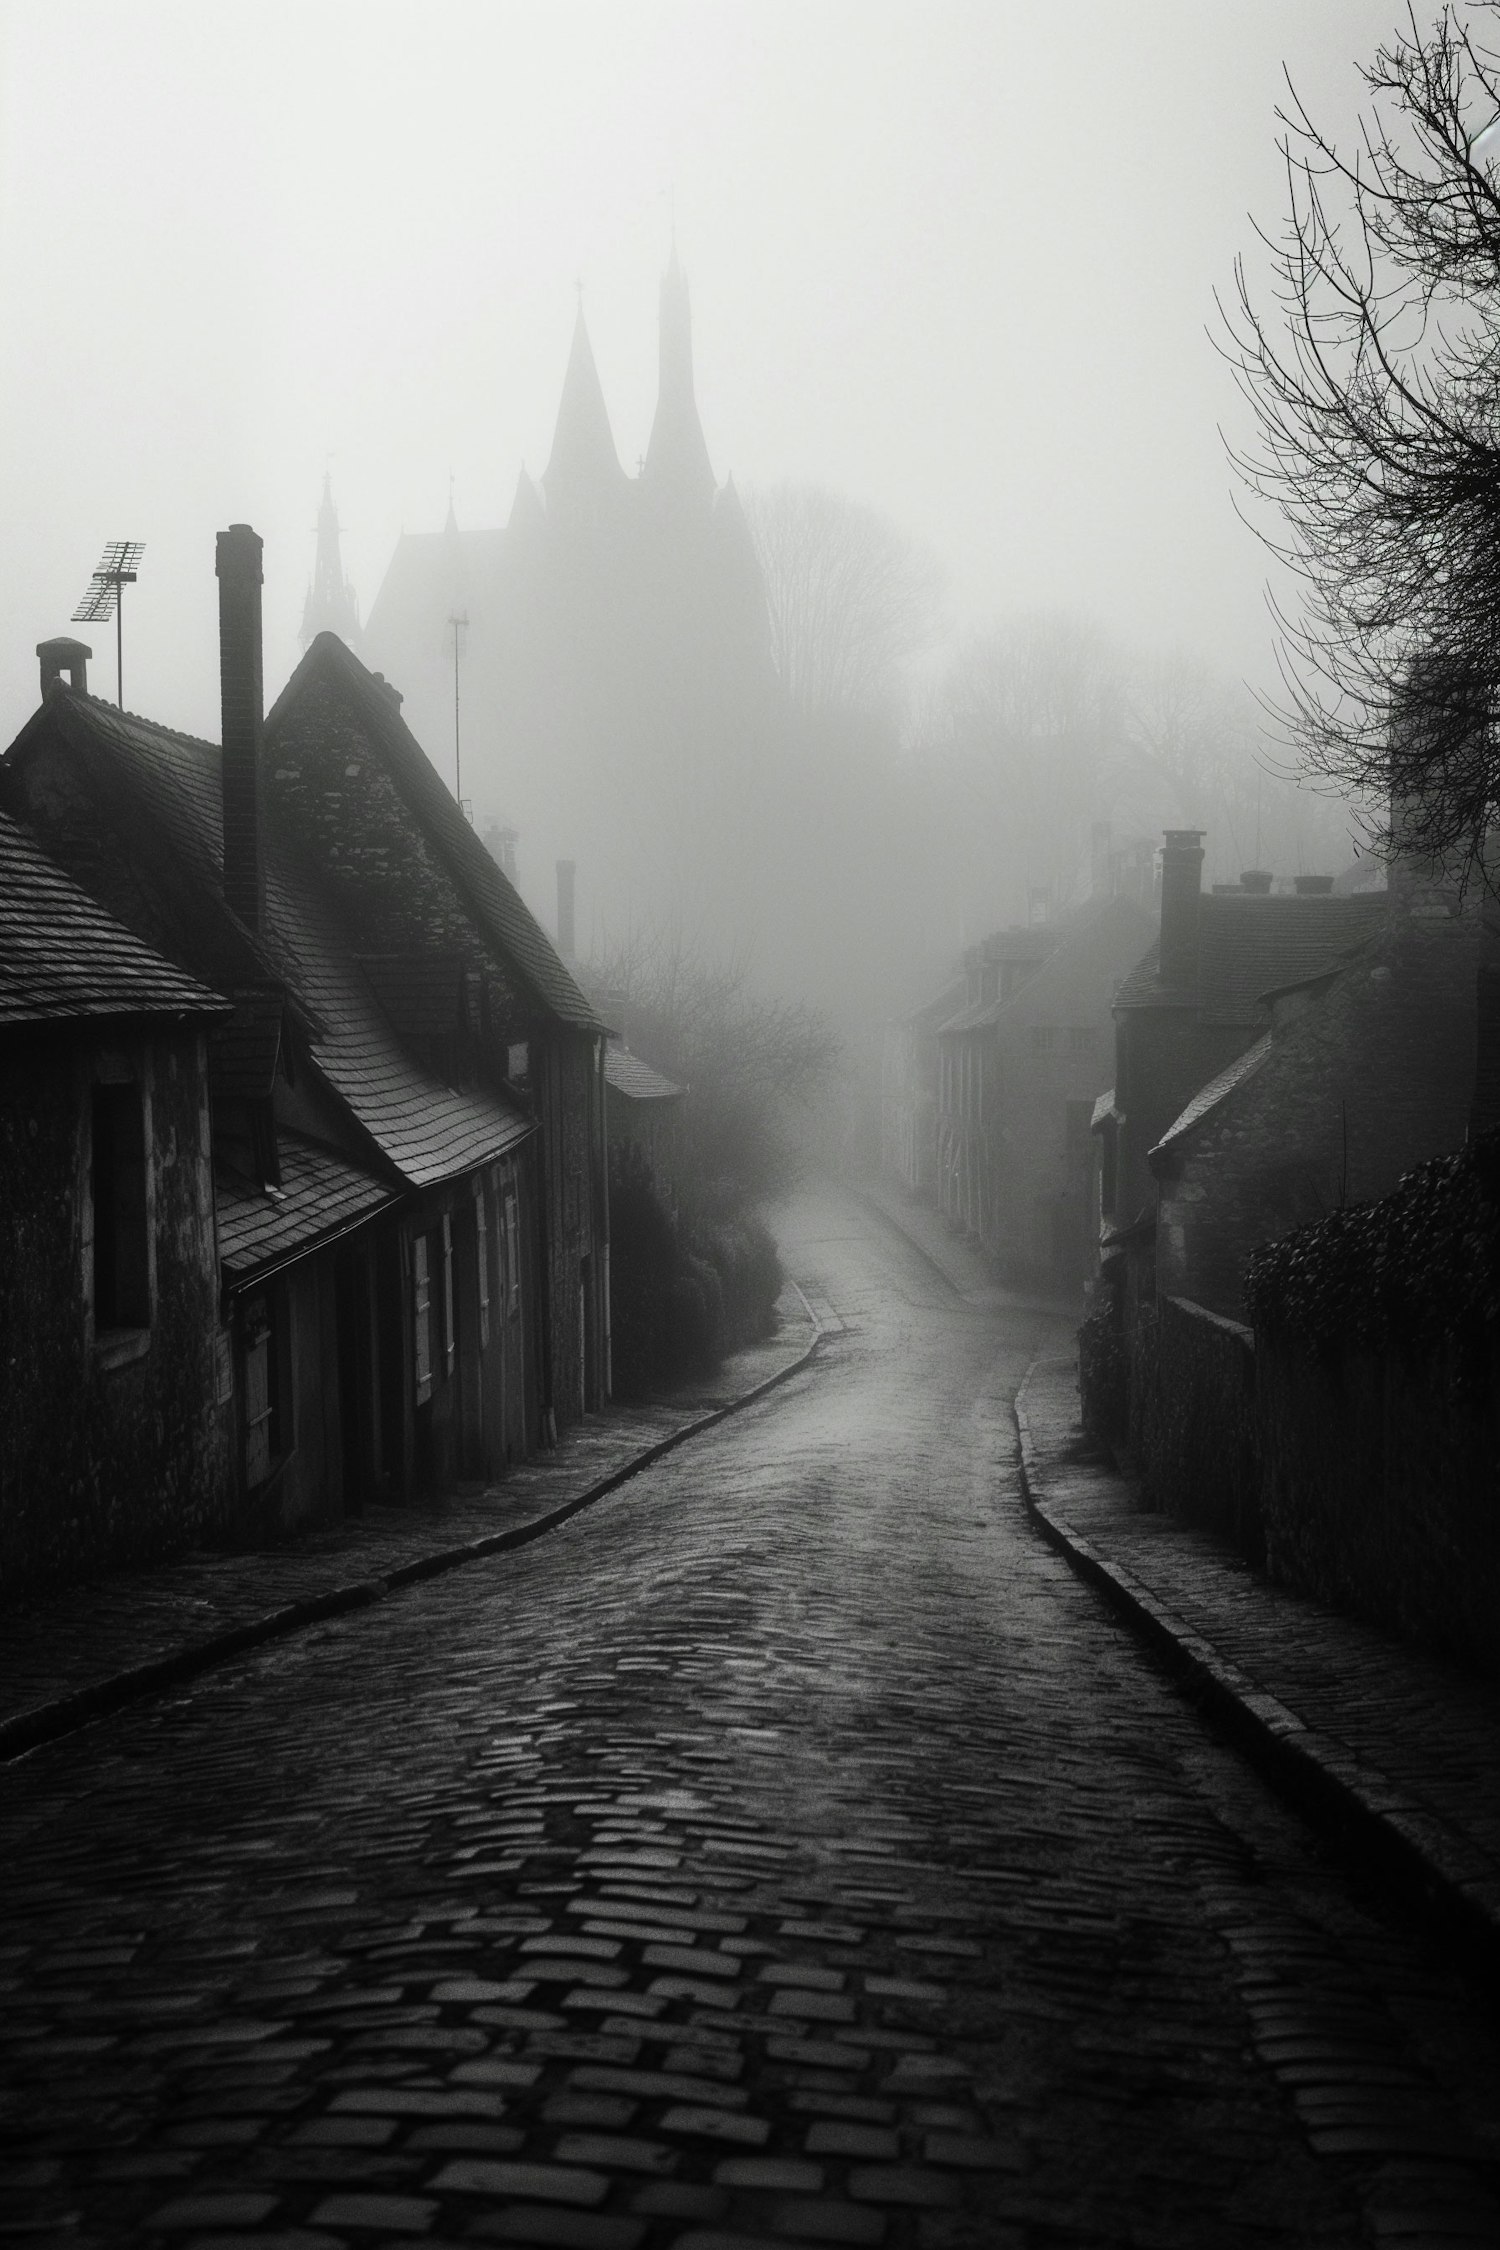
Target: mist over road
x,y
789,1847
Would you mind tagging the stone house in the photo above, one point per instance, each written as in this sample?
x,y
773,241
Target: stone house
x,y
1196,1001
404,1089
460,967
1020,1070
909,1089
1364,1071
110,1446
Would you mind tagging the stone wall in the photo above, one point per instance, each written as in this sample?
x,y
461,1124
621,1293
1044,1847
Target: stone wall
x,y
1380,1489
110,1453
1378,1337
1205,1462
1350,1443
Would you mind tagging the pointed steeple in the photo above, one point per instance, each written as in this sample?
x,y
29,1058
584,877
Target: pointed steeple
x,y
330,606
526,511
677,462
584,468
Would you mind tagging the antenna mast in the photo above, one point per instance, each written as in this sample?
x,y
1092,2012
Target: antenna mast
x,y
118,568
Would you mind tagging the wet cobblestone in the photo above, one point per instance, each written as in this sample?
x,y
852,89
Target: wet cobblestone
x,y
790,1850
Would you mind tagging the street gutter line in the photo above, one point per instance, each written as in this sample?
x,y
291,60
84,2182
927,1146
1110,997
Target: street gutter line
x,y
1430,1864
47,1722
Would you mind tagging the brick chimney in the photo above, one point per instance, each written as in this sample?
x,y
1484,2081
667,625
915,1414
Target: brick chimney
x,y
60,656
566,873
1181,892
241,698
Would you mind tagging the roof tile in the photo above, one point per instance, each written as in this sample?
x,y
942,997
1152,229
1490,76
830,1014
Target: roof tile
x,y
63,957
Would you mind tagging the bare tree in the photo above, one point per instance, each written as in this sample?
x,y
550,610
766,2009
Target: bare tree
x,y
850,595
1374,377
752,1062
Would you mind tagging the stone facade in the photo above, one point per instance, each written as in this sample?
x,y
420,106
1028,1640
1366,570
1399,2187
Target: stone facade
x,y
112,1447
1020,1072
1362,1075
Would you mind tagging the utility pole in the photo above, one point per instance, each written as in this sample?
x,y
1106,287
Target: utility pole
x,y
458,622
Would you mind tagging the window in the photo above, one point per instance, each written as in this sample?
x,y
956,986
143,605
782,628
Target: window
x,y
1083,1038
512,1254
421,1317
1043,1038
482,1262
445,1242
262,1418
121,1277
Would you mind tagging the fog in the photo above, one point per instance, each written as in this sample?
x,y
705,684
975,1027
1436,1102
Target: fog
x,y
954,264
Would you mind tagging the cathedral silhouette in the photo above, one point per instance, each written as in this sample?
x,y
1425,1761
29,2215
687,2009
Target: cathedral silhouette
x,y
613,666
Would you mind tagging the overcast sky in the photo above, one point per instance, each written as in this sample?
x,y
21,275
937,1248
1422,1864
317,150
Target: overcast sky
x,y
957,260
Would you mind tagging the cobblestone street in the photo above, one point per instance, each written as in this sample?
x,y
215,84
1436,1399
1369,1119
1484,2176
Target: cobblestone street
x,y
790,1848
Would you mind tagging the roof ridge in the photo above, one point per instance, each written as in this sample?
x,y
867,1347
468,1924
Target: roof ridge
x,y
430,799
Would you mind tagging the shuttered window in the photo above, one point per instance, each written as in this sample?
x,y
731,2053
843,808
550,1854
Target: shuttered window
x,y
260,1396
512,1254
421,1317
482,1262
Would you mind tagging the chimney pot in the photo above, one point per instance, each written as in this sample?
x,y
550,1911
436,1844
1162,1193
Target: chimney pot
x,y
60,656
242,703
1312,886
1181,896
1257,880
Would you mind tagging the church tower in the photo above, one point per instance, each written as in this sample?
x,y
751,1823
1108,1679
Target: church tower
x,y
583,479
330,606
677,468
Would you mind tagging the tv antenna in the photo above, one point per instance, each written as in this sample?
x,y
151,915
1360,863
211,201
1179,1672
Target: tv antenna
x,y
457,624
118,568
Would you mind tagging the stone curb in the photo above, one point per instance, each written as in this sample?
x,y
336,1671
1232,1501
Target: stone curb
x,y
1432,1865
46,1722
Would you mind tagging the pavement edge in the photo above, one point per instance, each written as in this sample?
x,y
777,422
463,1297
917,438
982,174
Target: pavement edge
x,y
48,1722
1429,1864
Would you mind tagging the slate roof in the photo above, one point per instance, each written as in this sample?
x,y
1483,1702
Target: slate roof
x,y
1056,960
322,1194
429,1131
491,894
63,958
1217,1090
626,1074
1250,945
421,993
164,789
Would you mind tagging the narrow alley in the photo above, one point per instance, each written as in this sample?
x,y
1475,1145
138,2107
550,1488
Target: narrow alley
x,y
790,1848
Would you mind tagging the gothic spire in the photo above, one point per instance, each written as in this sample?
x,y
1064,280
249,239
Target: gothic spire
x,y
677,462
584,463
330,606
